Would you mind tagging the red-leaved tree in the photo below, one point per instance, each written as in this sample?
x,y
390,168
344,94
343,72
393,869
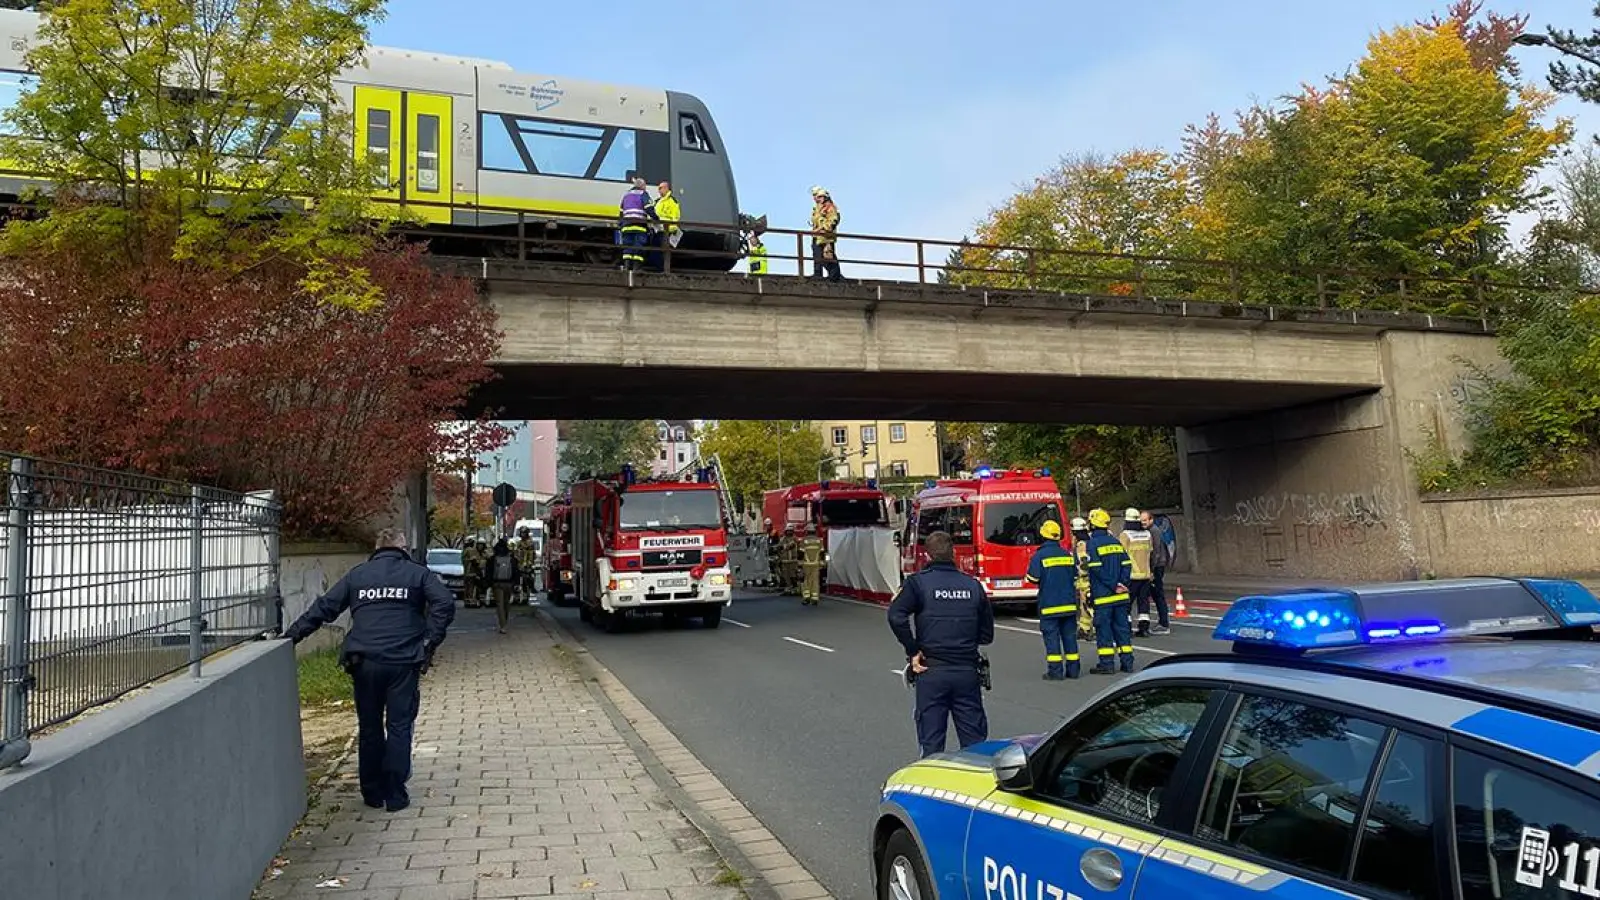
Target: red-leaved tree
x,y
237,376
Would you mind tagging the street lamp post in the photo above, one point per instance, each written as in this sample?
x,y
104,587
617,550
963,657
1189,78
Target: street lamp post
x,y
1544,40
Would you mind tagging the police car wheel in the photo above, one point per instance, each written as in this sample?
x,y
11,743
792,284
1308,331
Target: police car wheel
x,y
903,874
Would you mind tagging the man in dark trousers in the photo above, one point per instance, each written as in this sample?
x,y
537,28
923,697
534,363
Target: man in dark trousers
x,y
399,612
941,616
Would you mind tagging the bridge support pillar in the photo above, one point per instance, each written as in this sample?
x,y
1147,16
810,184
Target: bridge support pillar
x,y
1329,490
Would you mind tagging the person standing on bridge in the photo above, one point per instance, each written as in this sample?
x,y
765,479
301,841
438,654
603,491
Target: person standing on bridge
x,y
1053,569
637,210
824,236
941,617
399,613
1109,572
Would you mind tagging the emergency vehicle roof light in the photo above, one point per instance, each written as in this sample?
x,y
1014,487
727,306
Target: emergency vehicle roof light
x,y
872,483
983,472
1383,613
930,484
1043,473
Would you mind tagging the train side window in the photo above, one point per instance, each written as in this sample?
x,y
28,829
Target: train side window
x,y
378,141
428,154
692,134
12,87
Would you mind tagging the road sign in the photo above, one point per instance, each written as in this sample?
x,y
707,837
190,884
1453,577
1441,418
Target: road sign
x,y
505,494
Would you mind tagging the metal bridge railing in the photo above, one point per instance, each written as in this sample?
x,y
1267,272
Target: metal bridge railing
x,y
110,581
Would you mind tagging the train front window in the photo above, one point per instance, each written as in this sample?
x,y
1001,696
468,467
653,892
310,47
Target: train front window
x,y
529,146
1017,524
693,134
671,510
853,512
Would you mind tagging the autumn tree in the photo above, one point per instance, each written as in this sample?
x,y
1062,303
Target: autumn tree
x,y
602,446
762,455
193,125
1410,164
447,526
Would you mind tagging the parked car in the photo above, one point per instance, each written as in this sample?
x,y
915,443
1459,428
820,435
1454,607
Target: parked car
x,y
446,563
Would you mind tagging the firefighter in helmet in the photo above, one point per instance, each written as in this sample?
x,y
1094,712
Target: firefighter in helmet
x,y
811,561
522,548
472,562
1110,570
1053,569
787,547
1080,546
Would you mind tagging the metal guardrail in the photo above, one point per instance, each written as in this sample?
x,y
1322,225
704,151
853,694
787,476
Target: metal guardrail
x,y
110,581
1023,268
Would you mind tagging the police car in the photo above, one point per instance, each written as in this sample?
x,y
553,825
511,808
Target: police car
x,y
1435,740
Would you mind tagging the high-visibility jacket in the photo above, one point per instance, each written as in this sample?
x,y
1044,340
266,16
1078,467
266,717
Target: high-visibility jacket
x,y
668,211
1108,567
825,222
757,257
1137,542
1053,569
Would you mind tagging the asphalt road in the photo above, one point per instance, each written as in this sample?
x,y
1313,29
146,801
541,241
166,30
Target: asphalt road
x,y
801,711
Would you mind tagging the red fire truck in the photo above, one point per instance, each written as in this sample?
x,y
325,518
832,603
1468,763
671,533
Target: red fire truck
x,y
994,518
646,547
821,505
557,553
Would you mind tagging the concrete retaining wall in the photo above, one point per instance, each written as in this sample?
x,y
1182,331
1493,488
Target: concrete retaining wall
x,y
185,791
1549,532
308,571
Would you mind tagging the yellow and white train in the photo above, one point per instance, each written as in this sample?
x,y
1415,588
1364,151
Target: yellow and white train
x,y
468,142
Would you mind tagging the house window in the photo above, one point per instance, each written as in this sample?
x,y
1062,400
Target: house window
x,y
679,434
680,457
869,434
897,433
663,454
841,436
870,469
898,469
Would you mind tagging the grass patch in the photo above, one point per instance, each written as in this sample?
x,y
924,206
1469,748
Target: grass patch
x,y
728,877
322,681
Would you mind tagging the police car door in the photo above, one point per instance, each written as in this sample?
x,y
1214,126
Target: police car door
x,y
1083,823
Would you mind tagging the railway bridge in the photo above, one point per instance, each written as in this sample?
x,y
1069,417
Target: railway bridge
x,y
1293,422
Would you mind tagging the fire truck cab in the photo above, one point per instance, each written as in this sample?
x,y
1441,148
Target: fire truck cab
x,y
823,505
556,557
994,519
649,547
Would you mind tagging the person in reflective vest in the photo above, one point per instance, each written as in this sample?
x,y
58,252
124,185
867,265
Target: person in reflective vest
x,y
1109,573
1137,541
668,214
811,561
1080,584
636,211
756,255
824,236
1054,568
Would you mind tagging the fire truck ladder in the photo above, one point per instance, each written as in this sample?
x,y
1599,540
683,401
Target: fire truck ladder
x,y
734,522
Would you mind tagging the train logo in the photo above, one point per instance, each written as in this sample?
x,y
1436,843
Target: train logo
x,y
546,95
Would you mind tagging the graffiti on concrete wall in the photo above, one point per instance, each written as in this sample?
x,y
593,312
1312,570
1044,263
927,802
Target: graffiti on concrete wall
x,y
1470,388
1589,521
1365,509
1299,529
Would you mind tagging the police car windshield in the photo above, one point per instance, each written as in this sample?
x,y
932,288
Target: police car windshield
x,y
670,510
861,511
1016,524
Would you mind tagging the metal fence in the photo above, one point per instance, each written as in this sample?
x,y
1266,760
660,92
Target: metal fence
x,y
110,581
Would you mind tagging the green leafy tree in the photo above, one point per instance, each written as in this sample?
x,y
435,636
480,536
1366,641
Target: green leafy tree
x,y
1573,77
752,461
188,126
603,446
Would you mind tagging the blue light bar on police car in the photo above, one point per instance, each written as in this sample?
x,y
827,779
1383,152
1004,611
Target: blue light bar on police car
x,y
1381,613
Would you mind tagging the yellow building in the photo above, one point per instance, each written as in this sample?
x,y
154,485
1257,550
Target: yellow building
x,y
886,450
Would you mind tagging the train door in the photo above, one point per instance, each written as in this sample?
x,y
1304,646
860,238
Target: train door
x,y
407,135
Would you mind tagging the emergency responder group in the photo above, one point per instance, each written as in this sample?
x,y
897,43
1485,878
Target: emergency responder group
x,y
1093,589
799,562
644,223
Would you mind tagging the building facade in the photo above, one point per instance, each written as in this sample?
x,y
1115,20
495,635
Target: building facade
x,y
527,461
677,447
886,450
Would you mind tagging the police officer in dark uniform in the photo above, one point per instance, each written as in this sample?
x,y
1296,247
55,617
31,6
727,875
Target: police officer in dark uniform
x,y
941,616
399,611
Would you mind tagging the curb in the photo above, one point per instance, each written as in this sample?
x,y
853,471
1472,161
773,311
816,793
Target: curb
x,y
728,825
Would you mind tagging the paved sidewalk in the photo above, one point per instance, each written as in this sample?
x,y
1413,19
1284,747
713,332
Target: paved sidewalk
x,y
524,785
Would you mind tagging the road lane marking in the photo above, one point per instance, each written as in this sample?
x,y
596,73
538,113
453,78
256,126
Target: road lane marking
x,y
734,622
808,644
1018,630
1140,648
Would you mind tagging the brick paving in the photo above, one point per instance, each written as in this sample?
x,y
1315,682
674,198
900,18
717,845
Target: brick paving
x,y
525,786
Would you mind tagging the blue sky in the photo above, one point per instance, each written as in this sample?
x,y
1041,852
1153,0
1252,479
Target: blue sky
x,y
920,116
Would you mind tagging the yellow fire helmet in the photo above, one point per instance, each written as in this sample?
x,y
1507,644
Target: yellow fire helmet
x,y
1050,530
1099,518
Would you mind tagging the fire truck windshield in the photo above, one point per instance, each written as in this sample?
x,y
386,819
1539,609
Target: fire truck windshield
x,y
670,510
862,511
1016,524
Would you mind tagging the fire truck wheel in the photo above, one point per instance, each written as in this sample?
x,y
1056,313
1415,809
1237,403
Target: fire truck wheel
x,y
585,613
712,617
612,622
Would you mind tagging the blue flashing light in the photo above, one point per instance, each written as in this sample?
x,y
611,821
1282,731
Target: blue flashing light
x,y
1570,601
872,483
1299,620
930,484
1045,472
825,485
983,472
